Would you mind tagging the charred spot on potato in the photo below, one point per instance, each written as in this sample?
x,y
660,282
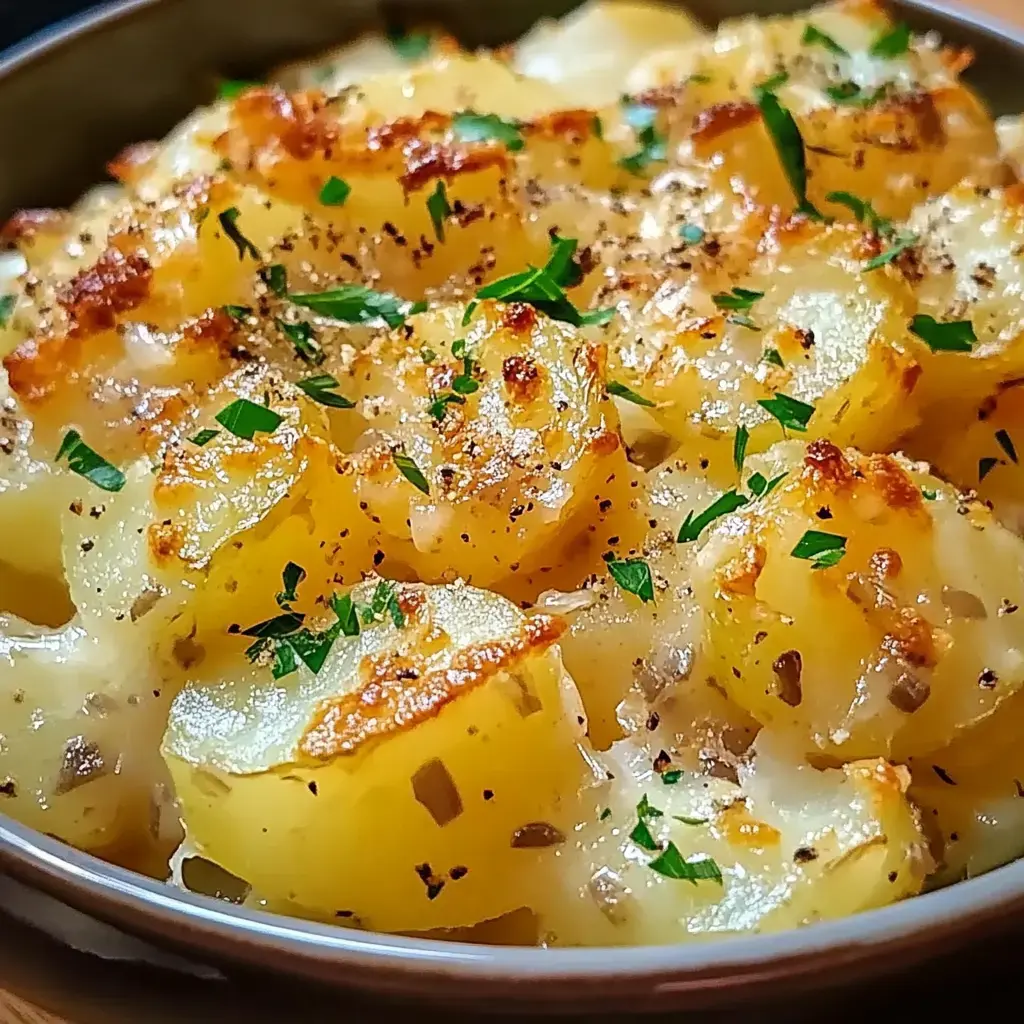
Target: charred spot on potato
x,y
8,787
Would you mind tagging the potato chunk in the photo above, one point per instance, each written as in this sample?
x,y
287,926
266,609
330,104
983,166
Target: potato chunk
x,y
857,606
491,446
806,321
82,725
410,783
787,846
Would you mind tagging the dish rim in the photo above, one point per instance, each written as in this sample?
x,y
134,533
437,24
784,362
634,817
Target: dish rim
x,y
206,925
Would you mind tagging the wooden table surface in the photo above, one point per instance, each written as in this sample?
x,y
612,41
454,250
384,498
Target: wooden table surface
x,y
42,982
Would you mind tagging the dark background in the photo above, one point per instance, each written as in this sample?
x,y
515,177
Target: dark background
x,y
20,17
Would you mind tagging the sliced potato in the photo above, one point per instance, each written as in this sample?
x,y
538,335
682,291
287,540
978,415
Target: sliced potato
x,y
786,847
416,779
884,636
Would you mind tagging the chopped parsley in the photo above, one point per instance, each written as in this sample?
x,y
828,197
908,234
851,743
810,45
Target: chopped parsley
x,y
232,88
320,388
985,466
687,820
738,298
815,37
652,145
825,548
691,234
464,384
334,192
357,304
634,576
605,814
348,617
670,863
204,437
237,312
951,336
613,387
472,127
641,835
88,463
439,406
408,468
671,777
301,336
789,145
1006,443
7,304
759,486
384,599
291,577
739,447
776,81
245,419
693,526
893,43
597,127
439,209
561,267
790,412
901,243
771,355
410,46
229,222
850,94
862,210
928,494
275,277
541,287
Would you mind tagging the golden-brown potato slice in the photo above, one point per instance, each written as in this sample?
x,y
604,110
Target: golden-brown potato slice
x,y
806,321
416,779
857,606
491,460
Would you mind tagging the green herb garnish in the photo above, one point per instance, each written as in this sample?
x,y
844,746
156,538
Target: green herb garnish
x,y
790,412
862,210
204,437
291,577
275,277
245,419
301,336
320,388
759,486
634,576
348,618
410,471
237,312
901,244
850,94
357,304
928,494
231,88
613,387
951,336
334,192
738,298
229,223
789,145
693,526
815,37
893,43
410,46
472,127
670,863
439,209
690,821
88,463
605,814
439,406
7,304
641,835
652,145
826,548
739,447
671,777
771,355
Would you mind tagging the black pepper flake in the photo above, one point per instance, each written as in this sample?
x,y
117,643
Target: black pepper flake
x,y
652,720
430,880
344,913
312,788
8,787
943,774
1018,787
987,679
893,875
457,872
488,794
824,512
378,557
805,854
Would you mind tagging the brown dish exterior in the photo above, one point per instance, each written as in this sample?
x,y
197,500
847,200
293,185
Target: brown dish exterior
x,y
659,599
